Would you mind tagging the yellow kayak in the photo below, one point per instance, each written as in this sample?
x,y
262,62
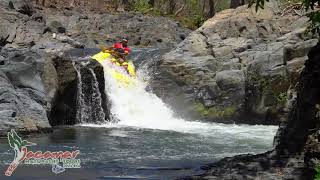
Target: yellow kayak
x,y
119,76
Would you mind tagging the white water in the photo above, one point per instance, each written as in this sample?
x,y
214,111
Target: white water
x,y
137,108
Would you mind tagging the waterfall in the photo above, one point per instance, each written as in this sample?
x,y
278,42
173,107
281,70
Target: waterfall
x,y
135,107
89,99
79,114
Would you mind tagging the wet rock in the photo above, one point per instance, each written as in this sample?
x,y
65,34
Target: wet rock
x,y
76,81
23,99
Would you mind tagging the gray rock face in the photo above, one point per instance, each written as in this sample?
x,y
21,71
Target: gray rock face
x,y
23,99
20,29
38,90
7,31
80,96
297,150
103,29
22,6
237,66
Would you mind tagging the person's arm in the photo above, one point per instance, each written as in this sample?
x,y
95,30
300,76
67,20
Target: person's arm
x,y
110,48
127,50
104,49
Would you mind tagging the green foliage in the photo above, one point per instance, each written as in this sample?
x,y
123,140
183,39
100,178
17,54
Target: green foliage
x,y
214,112
317,176
259,4
198,20
310,4
281,97
193,21
197,17
222,5
314,16
141,5
195,6
262,82
314,19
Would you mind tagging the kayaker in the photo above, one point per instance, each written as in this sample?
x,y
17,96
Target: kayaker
x,y
121,49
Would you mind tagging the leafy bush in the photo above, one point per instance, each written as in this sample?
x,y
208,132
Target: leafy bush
x,y
317,176
281,98
314,19
222,4
141,5
198,20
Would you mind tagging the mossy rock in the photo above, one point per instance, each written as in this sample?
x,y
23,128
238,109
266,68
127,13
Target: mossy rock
x,y
215,112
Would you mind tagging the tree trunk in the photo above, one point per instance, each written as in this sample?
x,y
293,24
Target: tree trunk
x,y
172,6
151,3
211,9
236,3
204,6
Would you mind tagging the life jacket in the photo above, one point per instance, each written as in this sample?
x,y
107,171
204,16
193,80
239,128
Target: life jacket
x,y
119,47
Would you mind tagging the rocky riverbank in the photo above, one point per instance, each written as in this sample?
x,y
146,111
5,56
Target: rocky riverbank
x,y
240,66
297,153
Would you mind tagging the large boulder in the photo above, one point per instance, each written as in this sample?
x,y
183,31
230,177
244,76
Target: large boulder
x,y
80,96
240,66
24,100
